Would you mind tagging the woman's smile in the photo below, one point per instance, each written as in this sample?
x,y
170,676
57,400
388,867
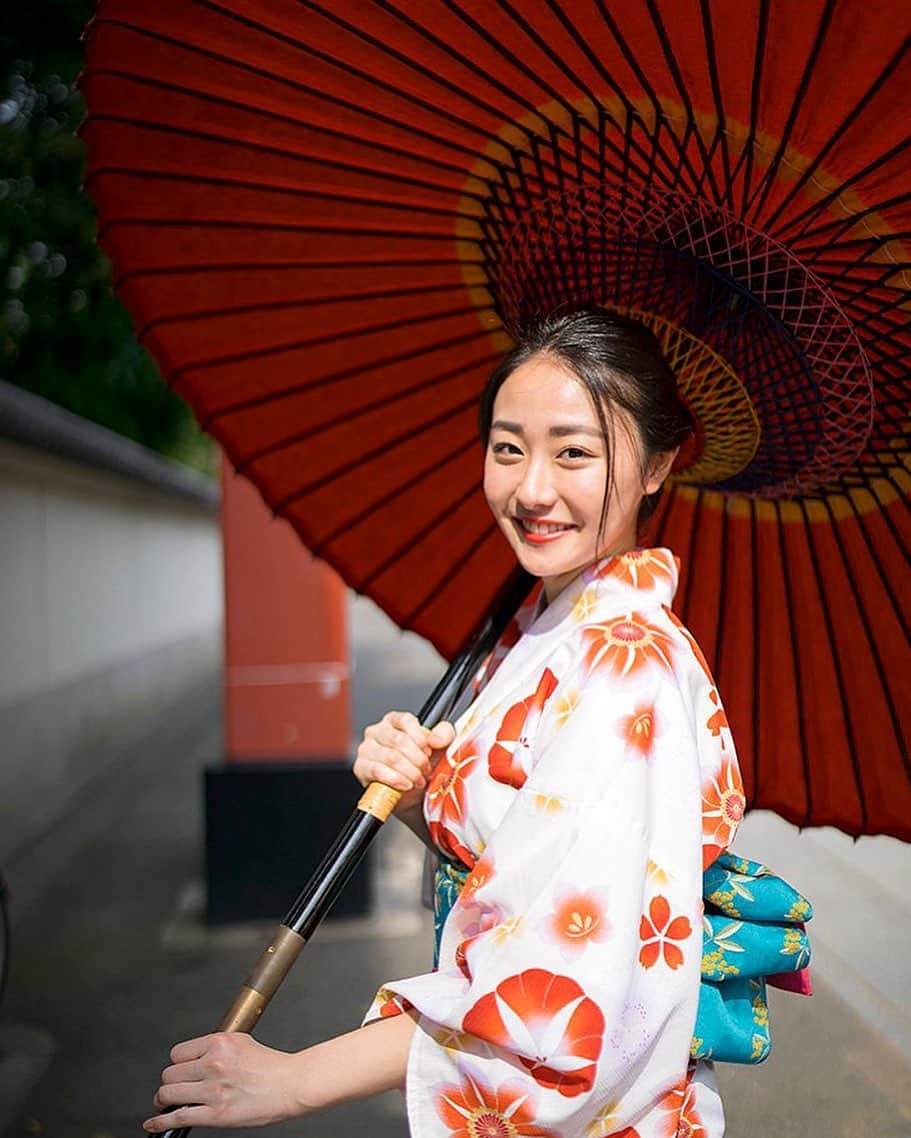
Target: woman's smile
x,y
540,531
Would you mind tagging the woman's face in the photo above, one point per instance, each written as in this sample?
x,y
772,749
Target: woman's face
x,y
545,472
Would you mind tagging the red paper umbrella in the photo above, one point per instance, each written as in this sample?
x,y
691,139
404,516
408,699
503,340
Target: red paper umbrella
x,y
325,219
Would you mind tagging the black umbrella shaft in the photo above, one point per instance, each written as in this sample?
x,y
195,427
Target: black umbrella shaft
x,y
318,895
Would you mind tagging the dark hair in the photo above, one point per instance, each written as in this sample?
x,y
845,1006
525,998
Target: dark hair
x,y
620,363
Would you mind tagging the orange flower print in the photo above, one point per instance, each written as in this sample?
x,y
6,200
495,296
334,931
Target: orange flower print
x,y
479,876
641,568
476,1110
681,1119
391,1004
638,729
578,920
717,721
688,636
445,800
723,806
625,645
657,931
509,759
548,1022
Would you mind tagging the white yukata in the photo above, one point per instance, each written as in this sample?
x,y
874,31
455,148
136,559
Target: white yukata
x,y
588,783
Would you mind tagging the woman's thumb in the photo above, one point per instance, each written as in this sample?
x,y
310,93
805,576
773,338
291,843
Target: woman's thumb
x,y
441,735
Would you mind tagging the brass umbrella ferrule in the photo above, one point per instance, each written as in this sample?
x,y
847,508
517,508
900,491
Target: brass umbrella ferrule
x,y
259,987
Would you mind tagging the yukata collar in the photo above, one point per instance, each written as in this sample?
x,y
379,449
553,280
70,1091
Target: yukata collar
x,y
617,583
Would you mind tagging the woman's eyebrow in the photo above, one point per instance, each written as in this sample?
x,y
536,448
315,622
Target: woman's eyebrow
x,y
558,432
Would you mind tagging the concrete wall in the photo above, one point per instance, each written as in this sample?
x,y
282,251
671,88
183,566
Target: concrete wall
x,y
110,603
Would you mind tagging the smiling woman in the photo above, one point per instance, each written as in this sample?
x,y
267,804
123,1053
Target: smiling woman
x,y
571,805
582,422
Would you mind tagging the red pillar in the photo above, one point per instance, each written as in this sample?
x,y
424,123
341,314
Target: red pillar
x,y
285,788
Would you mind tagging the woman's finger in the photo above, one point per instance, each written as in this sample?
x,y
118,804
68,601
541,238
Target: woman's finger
x,y
441,735
400,741
190,1049
183,1116
193,1072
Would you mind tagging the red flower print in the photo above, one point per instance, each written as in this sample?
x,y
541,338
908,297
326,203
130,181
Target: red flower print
x,y
509,759
626,645
657,930
638,729
578,919
723,806
548,1022
476,1110
681,1119
641,568
445,800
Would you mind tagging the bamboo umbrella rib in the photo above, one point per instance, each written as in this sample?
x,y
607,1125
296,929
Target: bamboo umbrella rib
x,y
699,514
419,536
367,408
746,153
820,156
834,228
715,79
717,655
324,338
491,531
796,669
769,178
868,629
844,703
364,515
292,303
317,265
365,457
754,616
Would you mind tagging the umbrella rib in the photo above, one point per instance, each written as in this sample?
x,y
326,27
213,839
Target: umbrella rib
x,y
298,303
272,115
795,664
313,341
489,531
864,101
862,613
694,538
364,409
415,539
383,449
344,65
427,72
382,503
812,212
333,377
746,154
764,187
218,267
754,616
677,77
722,584
273,227
286,191
715,79
298,86
393,176
657,109
836,664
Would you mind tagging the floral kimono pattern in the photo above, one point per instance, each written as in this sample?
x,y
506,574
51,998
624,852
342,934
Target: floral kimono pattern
x,y
589,783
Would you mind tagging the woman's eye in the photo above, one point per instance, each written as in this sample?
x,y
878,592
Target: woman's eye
x,y
574,452
505,448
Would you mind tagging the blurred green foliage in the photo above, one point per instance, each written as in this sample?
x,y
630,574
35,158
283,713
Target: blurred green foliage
x,y
63,333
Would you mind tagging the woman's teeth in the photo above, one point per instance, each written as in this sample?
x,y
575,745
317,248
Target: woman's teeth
x,y
542,527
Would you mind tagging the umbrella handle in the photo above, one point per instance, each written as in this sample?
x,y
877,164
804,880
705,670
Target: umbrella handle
x,y
373,808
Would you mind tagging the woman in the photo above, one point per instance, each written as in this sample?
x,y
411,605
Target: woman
x,y
585,787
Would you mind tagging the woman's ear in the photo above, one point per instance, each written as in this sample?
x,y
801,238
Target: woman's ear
x,y
659,469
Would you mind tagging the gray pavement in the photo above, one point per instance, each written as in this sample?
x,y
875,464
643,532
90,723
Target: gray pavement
x,y
112,962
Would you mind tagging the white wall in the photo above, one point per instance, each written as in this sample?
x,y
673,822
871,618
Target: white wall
x,y
110,600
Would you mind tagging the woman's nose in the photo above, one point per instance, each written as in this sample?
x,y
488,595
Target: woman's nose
x,y
536,489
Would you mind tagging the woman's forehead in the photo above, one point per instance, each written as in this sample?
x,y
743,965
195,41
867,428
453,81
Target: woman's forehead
x,y
542,388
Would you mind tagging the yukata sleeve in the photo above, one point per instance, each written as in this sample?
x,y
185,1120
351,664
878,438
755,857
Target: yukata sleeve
x,y
567,991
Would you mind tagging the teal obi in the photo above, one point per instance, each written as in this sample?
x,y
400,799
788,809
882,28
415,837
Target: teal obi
x,y
753,929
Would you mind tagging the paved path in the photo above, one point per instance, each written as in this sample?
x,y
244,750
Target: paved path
x,y
112,963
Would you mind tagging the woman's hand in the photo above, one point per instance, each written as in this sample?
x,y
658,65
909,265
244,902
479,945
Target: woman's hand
x,y
401,753
230,1080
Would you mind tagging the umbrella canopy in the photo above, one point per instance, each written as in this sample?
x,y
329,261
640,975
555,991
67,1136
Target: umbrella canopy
x,y
325,219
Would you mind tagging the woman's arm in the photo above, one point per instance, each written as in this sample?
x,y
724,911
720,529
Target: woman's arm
x,y
232,1080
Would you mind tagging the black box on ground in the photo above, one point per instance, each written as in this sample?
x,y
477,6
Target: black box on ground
x,y
268,826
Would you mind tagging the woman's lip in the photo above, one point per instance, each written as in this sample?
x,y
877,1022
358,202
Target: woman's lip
x,y
541,538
